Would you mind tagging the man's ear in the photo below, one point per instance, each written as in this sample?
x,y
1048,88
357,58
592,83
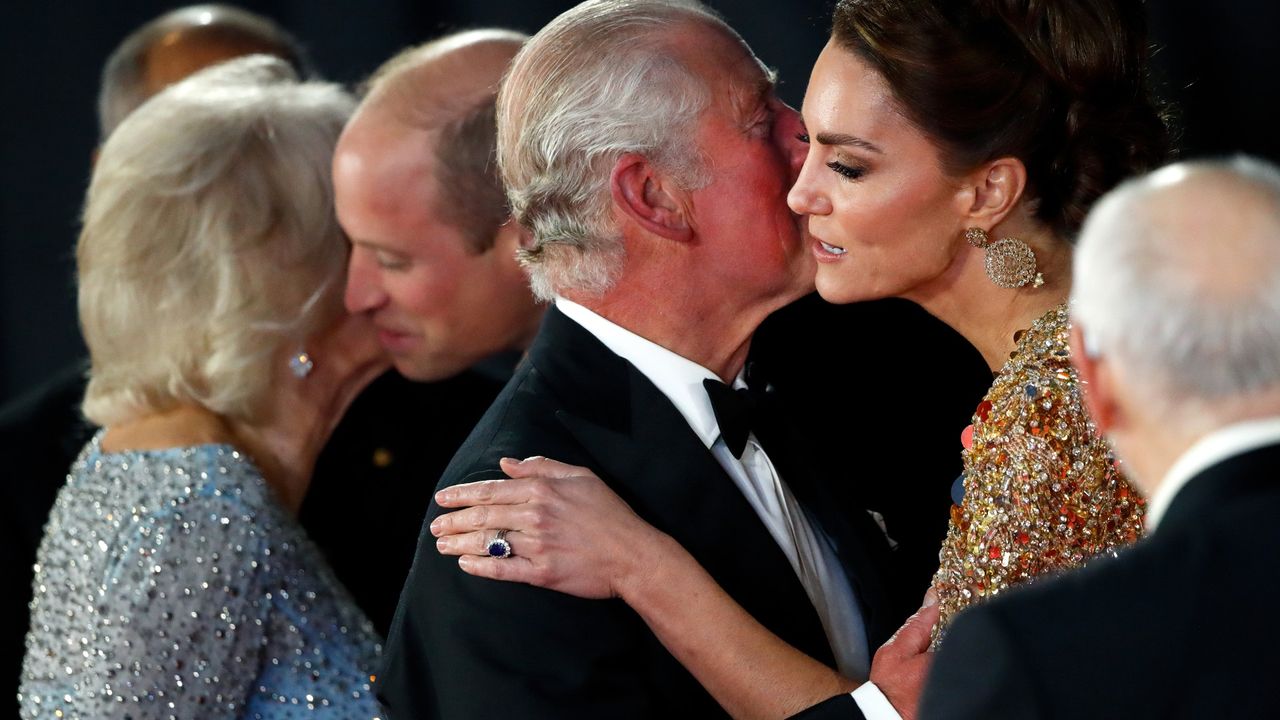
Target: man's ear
x,y
649,197
993,191
1097,380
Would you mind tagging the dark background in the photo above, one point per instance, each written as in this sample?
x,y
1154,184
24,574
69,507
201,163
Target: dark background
x,y
1217,61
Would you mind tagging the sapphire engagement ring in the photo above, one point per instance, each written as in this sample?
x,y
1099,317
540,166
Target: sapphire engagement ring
x,y
498,546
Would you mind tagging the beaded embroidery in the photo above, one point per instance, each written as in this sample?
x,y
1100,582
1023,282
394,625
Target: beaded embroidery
x,y
170,584
1041,489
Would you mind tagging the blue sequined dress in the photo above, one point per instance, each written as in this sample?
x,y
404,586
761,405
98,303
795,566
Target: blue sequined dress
x,y
170,584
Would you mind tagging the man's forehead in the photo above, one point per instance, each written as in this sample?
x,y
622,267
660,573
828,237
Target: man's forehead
x,y
385,143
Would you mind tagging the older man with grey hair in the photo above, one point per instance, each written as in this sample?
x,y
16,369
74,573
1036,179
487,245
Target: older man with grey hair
x,y
1176,305
631,136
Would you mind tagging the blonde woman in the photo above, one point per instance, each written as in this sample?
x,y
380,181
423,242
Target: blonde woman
x,y
173,579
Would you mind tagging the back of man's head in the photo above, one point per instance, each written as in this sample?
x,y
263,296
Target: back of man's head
x,y
180,42
1177,280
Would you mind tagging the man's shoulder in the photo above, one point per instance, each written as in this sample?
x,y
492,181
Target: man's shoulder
x,y
1195,587
521,421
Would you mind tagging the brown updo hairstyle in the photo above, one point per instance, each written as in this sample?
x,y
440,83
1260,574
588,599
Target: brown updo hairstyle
x,y
1062,85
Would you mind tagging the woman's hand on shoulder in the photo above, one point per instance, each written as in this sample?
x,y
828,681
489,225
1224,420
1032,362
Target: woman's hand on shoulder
x,y
566,529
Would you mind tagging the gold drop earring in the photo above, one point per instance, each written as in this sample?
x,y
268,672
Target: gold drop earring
x,y
1010,262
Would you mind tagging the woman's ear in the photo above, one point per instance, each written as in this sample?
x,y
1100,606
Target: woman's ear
x,y
994,190
649,198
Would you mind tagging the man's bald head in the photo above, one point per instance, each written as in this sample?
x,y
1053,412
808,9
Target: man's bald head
x,y
438,81
416,188
1178,280
177,44
437,101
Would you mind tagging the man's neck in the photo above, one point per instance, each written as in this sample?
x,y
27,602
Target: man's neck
x,y
709,334
1203,453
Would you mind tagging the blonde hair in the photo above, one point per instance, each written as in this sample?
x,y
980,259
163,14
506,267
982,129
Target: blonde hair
x,y
210,241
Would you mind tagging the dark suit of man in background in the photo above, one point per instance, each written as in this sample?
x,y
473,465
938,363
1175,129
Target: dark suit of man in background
x,y
644,148
1177,311
433,267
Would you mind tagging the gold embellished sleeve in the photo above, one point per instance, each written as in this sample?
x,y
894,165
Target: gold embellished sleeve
x,y
1041,490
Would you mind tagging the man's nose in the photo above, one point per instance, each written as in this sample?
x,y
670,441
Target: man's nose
x,y
364,286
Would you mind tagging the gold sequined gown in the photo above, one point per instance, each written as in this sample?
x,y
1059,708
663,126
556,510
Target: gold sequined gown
x,y
1041,489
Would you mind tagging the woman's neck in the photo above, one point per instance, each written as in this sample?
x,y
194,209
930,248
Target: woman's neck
x,y
285,438
988,315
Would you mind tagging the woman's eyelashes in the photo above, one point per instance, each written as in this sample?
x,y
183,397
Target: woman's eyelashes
x,y
847,172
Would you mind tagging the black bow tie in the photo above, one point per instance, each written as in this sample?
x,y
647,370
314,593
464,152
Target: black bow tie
x,y
737,411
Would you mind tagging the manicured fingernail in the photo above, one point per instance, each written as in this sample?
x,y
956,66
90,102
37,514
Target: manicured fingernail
x,y
435,526
510,460
531,458
464,561
930,598
442,544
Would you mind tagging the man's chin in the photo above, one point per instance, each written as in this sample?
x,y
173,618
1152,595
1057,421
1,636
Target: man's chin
x,y
424,369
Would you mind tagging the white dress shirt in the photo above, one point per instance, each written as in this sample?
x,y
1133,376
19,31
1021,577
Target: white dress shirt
x,y
1208,451
807,548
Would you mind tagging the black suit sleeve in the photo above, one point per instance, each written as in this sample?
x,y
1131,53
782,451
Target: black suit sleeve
x,y
840,707
468,647
981,673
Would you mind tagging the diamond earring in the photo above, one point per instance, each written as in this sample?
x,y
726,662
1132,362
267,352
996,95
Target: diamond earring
x,y
1010,262
300,363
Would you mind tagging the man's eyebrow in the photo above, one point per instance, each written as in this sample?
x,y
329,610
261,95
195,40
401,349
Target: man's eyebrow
x,y
374,245
845,139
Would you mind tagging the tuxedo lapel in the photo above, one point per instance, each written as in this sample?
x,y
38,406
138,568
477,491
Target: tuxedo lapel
x,y
645,450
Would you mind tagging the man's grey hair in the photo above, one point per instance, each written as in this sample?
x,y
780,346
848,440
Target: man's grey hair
x,y
210,246
599,81
123,87
1177,277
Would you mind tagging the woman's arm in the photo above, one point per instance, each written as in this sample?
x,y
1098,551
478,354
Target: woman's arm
x,y
569,532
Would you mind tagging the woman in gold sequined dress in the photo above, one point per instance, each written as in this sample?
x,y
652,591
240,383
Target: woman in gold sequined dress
x,y
955,148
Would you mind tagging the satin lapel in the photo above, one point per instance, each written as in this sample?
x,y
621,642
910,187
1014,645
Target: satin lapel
x,y
645,450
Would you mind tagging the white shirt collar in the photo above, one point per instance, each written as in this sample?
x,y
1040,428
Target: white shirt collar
x,y
1208,451
677,377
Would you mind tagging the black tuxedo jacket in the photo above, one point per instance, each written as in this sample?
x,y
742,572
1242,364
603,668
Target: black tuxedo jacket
x,y
374,479
1182,625
464,647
